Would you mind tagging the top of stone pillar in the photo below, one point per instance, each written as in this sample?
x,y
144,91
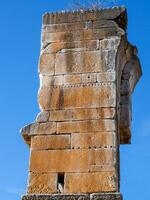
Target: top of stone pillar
x,y
117,14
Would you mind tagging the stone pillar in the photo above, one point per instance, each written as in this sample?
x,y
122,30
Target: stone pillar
x,y
87,72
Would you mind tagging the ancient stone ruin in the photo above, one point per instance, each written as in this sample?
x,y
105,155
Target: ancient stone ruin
x,y
88,71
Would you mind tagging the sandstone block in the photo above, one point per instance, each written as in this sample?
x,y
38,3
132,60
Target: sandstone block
x,y
110,43
47,64
86,126
72,79
78,62
109,60
78,96
53,28
58,197
89,78
82,114
78,160
106,196
102,168
93,140
43,116
50,80
56,47
38,129
42,183
50,142
82,35
106,77
90,182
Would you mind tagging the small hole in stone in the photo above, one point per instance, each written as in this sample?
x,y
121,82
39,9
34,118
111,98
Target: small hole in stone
x,y
60,182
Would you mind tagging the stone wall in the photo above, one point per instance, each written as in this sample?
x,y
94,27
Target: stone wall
x,y
87,73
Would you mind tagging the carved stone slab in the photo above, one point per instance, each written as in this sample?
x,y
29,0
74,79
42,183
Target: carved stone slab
x,y
97,196
56,197
106,196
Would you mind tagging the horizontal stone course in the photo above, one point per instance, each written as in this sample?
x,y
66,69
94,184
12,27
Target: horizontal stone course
x,y
94,196
106,196
57,47
50,80
86,126
78,96
50,142
57,197
90,182
78,160
90,15
77,26
94,34
81,114
93,140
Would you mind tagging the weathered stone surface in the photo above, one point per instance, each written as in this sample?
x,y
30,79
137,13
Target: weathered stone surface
x,y
78,62
125,116
42,116
72,79
38,129
50,142
85,62
93,140
88,71
57,197
110,43
101,14
56,47
79,96
45,183
86,126
77,26
94,34
125,87
96,196
78,160
47,64
106,77
106,196
90,182
48,80
89,78
82,114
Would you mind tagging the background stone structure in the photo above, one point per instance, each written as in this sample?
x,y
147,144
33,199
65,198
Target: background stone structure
x,y
87,71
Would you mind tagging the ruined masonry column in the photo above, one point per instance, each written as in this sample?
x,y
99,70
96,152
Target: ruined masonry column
x,y
87,72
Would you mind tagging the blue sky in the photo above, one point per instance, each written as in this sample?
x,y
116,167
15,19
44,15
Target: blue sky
x,y
20,26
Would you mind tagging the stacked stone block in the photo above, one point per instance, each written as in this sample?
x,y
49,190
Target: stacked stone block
x,y
85,86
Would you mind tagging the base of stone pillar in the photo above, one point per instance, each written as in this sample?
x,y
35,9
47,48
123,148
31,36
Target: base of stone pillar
x,y
94,196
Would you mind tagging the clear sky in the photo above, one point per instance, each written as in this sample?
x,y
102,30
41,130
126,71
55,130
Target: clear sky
x,y
20,26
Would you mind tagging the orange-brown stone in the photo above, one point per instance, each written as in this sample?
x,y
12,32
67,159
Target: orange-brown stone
x,y
42,183
78,160
93,140
82,114
90,182
50,142
86,126
79,96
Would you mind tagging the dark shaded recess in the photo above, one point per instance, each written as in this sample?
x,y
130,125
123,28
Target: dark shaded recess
x,y
60,181
122,20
